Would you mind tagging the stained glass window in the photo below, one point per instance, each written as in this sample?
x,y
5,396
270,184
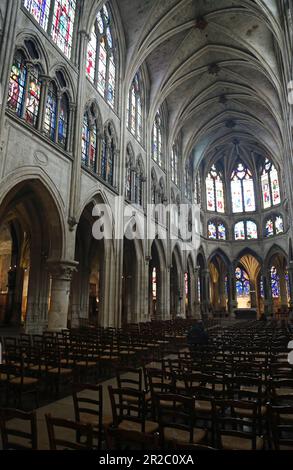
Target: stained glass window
x,y
221,231
174,164
197,189
154,283
188,180
215,191
269,228
108,155
245,230
33,96
216,230
63,120
62,25
270,185
279,225
93,148
274,226
128,182
157,140
242,190
275,282
242,283
17,84
51,112
40,10
212,231
251,230
138,196
239,231
101,61
85,140
134,108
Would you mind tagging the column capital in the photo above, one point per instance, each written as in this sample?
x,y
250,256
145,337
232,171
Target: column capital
x,y
62,269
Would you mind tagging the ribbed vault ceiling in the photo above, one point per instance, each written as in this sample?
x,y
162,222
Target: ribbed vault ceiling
x,y
215,64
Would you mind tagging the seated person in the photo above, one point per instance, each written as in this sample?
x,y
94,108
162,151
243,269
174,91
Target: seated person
x,y
197,336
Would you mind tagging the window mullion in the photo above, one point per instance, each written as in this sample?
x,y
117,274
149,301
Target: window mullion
x,y
50,19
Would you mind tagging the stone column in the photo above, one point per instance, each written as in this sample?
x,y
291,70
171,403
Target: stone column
x,y
268,301
283,291
232,299
61,272
290,274
206,289
197,313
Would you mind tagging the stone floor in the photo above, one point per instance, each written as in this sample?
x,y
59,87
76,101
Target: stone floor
x,y
63,408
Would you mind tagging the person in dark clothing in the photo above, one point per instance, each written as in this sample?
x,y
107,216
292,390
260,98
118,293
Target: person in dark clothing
x,y
197,336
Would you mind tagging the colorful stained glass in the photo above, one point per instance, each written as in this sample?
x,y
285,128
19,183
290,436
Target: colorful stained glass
x,y
236,194
220,196
157,139
63,22
154,283
85,140
239,231
251,230
275,282
174,165
270,185
128,182
134,111
212,231
242,283
279,225
101,63
269,228
33,97
242,190
51,112
248,192
215,191
91,56
275,186
17,84
93,148
63,121
221,232
186,281
266,194
40,10
210,194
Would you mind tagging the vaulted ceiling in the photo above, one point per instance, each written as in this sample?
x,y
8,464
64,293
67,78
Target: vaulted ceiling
x,y
217,67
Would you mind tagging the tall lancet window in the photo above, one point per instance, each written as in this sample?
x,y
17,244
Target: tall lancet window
x,y
242,189
215,191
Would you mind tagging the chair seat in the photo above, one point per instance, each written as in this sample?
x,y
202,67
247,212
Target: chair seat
x,y
61,371
248,413
180,435
240,443
202,405
150,426
86,363
24,380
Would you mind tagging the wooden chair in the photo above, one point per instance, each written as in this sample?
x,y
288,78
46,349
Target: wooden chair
x,y
122,439
176,418
129,410
66,427
14,435
88,408
236,424
281,427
